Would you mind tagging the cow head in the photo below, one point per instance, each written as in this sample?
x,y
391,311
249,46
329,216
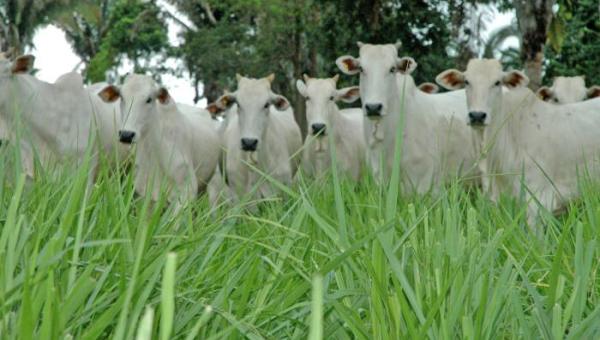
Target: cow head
x,y
483,81
321,96
377,66
254,99
567,90
139,96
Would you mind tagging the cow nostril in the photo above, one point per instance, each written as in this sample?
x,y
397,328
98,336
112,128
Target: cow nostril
x,y
249,144
126,136
477,117
318,128
373,109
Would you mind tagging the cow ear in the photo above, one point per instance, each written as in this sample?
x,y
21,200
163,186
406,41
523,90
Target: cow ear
x,y
163,96
348,65
451,79
225,101
110,94
545,93
270,78
515,79
593,92
280,102
430,88
214,110
348,94
406,65
23,64
301,86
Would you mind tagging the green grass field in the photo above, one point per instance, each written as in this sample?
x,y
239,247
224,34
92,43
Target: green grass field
x,y
333,261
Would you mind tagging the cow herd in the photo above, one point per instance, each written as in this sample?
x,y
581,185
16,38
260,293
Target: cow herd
x,y
489,130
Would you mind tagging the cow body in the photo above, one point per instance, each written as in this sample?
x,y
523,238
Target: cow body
x,y
436,147
326,121
178,150
50,120
260,132
526,141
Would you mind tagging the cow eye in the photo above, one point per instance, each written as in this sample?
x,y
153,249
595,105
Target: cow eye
x,y
497,83
393,69
307,98
149,100
331,98
360,69
266,105
555,100
467,82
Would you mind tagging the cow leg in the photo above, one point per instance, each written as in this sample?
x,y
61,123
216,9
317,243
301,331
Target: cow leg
x,y
543,200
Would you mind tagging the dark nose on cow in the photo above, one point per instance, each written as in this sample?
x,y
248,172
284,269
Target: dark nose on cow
x,y
318,128
373,110
126,137
249,144
477,117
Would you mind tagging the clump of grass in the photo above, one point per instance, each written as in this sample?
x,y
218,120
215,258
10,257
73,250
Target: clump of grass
x,y
336,260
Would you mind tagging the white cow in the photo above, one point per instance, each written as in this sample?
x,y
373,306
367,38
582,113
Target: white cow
x,y
567,90
173,148
324,119
526,140
436,145
260,131
430,88
54,120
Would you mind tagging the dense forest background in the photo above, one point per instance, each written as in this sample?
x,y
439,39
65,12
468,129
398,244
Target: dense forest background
x,y
291,37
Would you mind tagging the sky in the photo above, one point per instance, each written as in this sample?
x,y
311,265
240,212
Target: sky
x,y
54,55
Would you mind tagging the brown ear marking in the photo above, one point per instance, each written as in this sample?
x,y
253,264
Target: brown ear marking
x,y
353,92
513,79
593,92
429,88
349,64
214,110
404,65
452,79
163,96
23,64
544,93
110,94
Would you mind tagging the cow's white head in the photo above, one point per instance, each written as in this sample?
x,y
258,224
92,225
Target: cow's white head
x,y
321,96
483,81
254,99
567,90
377,66
139,96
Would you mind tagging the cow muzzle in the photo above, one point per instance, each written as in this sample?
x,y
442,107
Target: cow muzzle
x,y
249,144
374,111
477,118
126,137
319,129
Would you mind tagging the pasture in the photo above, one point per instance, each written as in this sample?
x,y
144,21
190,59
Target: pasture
x,y
335,260
242,169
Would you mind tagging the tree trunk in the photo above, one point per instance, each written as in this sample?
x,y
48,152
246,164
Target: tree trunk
x,y
534,17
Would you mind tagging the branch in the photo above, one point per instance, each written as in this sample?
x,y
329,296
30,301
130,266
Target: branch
x,y
206,6
177,20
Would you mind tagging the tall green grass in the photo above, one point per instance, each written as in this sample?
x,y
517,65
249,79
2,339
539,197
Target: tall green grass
x,y
335,260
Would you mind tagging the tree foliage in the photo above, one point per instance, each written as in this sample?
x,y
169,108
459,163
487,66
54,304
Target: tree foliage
x,y
579,51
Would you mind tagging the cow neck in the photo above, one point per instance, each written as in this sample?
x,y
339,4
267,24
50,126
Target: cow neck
x,y
502,139
154,130
413,120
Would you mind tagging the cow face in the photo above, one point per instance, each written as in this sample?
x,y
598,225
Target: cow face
x,y
254,99
138,95
483,81
321,96
377,66
564,90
